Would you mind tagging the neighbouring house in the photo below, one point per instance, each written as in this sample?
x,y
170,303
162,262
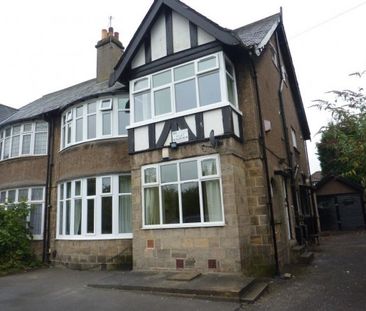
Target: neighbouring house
x,y
341,204
6,112
187,152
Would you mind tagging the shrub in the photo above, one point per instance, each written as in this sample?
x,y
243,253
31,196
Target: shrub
x,y
15,237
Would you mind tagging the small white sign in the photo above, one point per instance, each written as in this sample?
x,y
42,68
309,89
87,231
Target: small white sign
x,y
180,136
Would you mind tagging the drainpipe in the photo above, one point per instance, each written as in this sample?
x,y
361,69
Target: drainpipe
x,y
47,214
266,168
285,133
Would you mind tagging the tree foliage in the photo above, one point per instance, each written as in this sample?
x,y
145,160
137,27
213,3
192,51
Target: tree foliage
x,y
15,237
342,148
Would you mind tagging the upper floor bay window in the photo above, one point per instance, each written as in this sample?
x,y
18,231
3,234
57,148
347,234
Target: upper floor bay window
x,y
196,85
100,119
26,139
35,198
184,193
95,208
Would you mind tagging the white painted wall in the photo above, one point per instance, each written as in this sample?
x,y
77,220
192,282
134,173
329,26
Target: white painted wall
x,y
191,121
213,121
203,37
158,39
139,59
236,124
142,138
181,35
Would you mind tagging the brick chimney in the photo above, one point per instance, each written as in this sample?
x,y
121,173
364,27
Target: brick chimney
x,y
109,51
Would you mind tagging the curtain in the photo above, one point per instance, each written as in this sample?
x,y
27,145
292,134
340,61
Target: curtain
x,y
125,215
36,219
152,206
77,217
212,200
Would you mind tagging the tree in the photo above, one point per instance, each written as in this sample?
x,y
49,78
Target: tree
x,y
342,148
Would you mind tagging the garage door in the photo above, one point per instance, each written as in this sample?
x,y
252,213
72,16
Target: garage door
x,y
350,212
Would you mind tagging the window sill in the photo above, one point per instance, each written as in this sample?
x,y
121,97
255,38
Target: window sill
x,y
104,139
184,226
126,236
183,114
24,157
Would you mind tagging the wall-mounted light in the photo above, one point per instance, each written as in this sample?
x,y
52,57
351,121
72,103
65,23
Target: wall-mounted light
x,y
173,145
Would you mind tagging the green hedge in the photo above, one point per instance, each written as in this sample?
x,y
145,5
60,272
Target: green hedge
x,y
15,238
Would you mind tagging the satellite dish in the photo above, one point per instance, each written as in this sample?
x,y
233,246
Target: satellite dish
x,y
213,140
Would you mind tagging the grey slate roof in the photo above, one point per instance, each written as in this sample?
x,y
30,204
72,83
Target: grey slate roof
x,y
6,112
253,34
61,99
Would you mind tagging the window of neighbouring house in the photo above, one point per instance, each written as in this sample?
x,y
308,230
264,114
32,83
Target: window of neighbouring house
x,y
100,119
35,197
182,193
95,208
25,139
196,85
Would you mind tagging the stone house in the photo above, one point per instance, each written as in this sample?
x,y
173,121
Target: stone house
x,y
187,152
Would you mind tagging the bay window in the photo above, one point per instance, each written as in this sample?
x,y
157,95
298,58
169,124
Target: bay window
x,y
24,139
203,82
105,118
33,196
182,193
95,208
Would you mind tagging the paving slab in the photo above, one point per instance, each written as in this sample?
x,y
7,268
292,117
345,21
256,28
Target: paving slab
x,y
214,285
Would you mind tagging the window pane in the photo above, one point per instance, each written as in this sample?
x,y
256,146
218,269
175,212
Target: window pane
x,y
62,192
209,167
27,127
92,108
125,184
90,216
106,184
191,202
2,196
15,146
106,104
16,129
168,173
209,88
123,122
229,68
123,104
77,216
68,190
142,106
106,215
92,128
11,196
79,111
36,219
150,175
184,72
124,214
23,195
61,220
68,129
141,84
8,132
151,203
68,214
107,127
185,95
162,101
188,170
77,187
40,143
170,204
26,144
79,130
211,200
162,78
37,194
41,126
91,186
6,148
207,63
230,90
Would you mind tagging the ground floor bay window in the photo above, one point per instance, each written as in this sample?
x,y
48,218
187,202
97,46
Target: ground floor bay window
x,y
185,193
95,208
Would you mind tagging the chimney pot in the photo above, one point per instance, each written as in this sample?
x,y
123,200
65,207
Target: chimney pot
x,y
110,30
116,35
104,34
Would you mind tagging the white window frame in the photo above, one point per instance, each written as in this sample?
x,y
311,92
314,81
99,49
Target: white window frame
x,y
17,200
199,180
294,138
99,111
21,134
97,234
219,66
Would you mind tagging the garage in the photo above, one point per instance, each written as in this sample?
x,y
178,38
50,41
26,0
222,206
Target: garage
x,y
340,204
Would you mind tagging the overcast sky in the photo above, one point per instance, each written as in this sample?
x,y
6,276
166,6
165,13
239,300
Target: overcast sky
x,y
49,45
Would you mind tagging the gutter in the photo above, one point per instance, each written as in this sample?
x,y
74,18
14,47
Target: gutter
x,y
47,213
262,142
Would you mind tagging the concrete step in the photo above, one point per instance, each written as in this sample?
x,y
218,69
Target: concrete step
x,y
255,291
298,249
306,258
